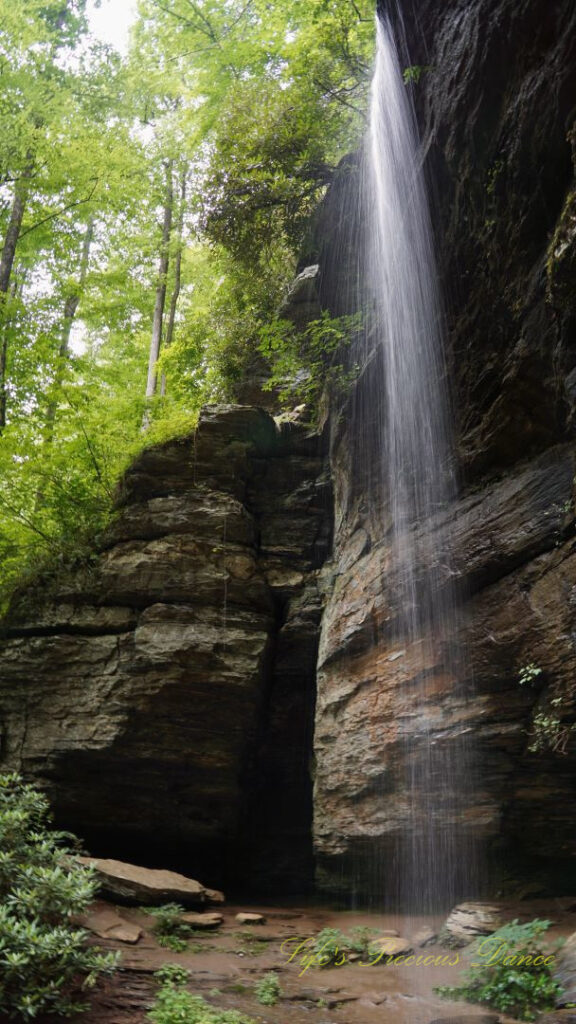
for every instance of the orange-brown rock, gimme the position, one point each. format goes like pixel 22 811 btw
pixel 131 883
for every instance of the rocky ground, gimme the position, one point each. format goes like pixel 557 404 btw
pixel 226 963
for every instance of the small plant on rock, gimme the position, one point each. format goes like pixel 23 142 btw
pixel 549 732
pixel 268 989
pixel 305 362
pixel 174 1004
pixel 528 673
pixel 414 72
pixel 510 972
pixel 172 974
pixel 333 948
pixel 45 967
pixel 170 931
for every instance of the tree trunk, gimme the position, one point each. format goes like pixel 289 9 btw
pixel 156 340
pixel 6 267
pixel 177 274
pixel 70 309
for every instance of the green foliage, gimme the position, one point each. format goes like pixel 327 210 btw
pixel 549 733
pixel 251 106
pixel 174 1004
pixel 268 990
pixel 45 967
pixel 494 175
pixel 170 931
pixel 528 673
pixel 333 947
pixel 510 972
pixel 172 974
pixel 413 73
pixel 306 362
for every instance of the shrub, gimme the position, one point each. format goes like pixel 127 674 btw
pixel 174 1004
pixel 549 733
pixel 268 989
pixel 173 974
pixel 304 362
pixel 414 72
pixel 169 930
pixel 333 947
pixel 44 963
pixel 509 972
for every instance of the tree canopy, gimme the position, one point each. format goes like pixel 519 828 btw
pixel 152 210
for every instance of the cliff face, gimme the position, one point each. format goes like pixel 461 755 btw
pixel 164 694
pixel 495 104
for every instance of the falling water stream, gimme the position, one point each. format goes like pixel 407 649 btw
pixel 418 484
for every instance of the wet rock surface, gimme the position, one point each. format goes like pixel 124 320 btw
pixel 225 967
pixel 470 920
pixel 163 694
pixel 495 106
pixel 565 971
pixel 496 112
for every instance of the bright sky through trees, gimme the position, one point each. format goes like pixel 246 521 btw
pixel 111 21
pixel 157 192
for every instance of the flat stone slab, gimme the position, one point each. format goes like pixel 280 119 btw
pixel 250 918
pixel 106 923
pixel 150 887
pixel 203 921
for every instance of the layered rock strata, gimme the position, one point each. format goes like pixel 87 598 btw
pixel 157 690
pixel 495 104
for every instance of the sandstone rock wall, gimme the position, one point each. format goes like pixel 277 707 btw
pixel 164 694
pixel 496 108
pixel 148 690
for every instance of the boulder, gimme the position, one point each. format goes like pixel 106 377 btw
pixel 250 918
pixel 469 920
pixel 150 887
pixel 565 971
pixel 425 936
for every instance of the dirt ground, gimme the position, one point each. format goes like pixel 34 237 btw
pixel 226 964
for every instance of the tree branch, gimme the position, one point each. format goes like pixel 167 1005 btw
pixel 206 21
pixel 58 213
pixel 339 99
pixel 22 518
pixel 172 14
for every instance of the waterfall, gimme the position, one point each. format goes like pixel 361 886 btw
pixel 406 321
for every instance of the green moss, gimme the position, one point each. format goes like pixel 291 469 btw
pixel 561 259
